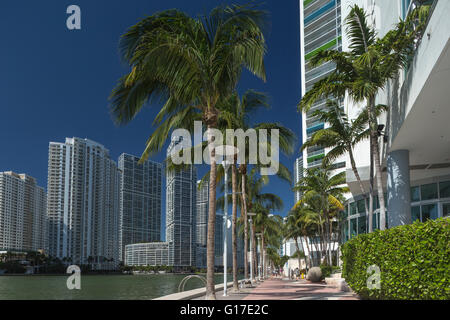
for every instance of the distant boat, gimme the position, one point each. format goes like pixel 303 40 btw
pixel 162 271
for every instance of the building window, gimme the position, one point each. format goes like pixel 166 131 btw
pixel 415 194
pixel 415 213
pixel 353 227
pixel 429 191
pixel 376 203
pixel 375 221
pixel 362 224
pixel 361 207
pixel 446 210
pixel 353 208
pixel 444 189
pixel 429 211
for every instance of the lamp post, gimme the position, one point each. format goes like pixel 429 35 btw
pixel 226 166
pixel 226 151
pixel 258 235
pixel 251 214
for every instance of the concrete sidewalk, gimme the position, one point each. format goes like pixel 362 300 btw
pixel 285 289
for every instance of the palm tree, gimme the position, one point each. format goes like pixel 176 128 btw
pixel 271 228
pixel 301 223
pixel 235 113
pixel 257 199
pixel 342 136
pixel 322 191
pixel 191 64
pixel 363 72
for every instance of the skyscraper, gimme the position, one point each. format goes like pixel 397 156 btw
pixel 22 213
pixel 140 201
pixel 298 174
pixel 83 203
pixel 202 212
pixel 181 211
pixel 320 29
pixel 202 223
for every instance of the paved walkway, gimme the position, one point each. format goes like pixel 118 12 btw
pixel 285 289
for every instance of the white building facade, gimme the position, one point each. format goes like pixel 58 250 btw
pixel 23 216
pixel 83 203
pixel 415 142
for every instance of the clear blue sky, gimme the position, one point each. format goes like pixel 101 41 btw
pixel 55 83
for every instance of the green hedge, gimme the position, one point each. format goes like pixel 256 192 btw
pixel 414 261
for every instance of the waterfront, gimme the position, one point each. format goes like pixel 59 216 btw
pixel 95 287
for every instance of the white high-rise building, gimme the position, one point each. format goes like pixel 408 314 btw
pixel 202 213
pixel 23 222
pixel 83 203
pixel 181 192
pixel 140 201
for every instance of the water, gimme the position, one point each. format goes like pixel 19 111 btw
pixel 96 287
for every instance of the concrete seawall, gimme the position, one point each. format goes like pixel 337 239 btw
pixel 191 294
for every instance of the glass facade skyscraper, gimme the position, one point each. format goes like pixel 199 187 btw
pixel 140 201
pixel 320 29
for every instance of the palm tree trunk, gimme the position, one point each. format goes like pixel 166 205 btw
pixel 307 257
pixel 376 158
pixel 371 187
pixel 210 287
pixel 233 225
pixel 361 187
pixel 376 154
pixel 330 251
pixel 244 202
pixel 262 251
pixel 255 259
pixel 298 255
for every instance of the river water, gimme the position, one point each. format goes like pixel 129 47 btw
pixel 96 287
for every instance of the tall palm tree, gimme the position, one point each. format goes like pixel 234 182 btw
pixel 191 64
pixel 342 136
pixel 258 199
pixel 235 113
pixel 271 228
pixel 363 72
pixel 325 190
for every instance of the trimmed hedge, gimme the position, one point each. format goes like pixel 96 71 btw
pixel 414 261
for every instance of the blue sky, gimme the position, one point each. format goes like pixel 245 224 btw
pixel 55 83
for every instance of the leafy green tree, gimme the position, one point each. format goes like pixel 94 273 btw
pixel 341 137
pixel 322 191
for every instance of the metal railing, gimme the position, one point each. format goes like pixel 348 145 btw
pixel 187 278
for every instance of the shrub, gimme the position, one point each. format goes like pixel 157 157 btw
pixel 414 261
pixel 326 270
pixel 12 267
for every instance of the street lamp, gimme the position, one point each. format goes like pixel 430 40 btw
pixel 226 151
pixel 258 235
pixel 226 166
pixel 251 214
